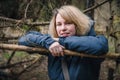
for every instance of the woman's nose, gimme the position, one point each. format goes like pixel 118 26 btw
pixel 63 27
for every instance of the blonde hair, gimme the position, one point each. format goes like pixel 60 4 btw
pixel 71 14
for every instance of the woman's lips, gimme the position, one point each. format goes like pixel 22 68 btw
pixel 65 34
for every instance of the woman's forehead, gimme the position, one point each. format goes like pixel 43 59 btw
pixel 63 17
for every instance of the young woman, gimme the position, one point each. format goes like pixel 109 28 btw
pixel 70 29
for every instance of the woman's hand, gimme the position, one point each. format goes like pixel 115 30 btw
pixel 56 49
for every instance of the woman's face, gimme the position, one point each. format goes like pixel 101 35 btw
pixel 64 28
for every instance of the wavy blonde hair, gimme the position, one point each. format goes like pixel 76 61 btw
pixel 71 14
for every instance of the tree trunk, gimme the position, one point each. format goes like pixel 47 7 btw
pixel 116 33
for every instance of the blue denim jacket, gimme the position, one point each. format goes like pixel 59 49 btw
pixel 80 68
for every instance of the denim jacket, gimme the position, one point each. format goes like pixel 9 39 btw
pixel 80 68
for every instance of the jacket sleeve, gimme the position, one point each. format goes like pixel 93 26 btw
pixel 95 45
pixel 34 38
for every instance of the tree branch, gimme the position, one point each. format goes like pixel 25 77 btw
pixel 26 9
pixel 95 6
pixel 44 51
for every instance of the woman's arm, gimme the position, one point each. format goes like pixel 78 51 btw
pixel 87 44
pixel 34 38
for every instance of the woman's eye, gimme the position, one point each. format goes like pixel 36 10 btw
pixel 68 23
pixel 58 24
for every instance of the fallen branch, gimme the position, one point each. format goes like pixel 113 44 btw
pixel 45 51
pixel 38 23
pixel 14 64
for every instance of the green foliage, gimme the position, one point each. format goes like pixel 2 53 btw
pixel 20 54
pixel 6 55
pixel 25 27
pixel 17 54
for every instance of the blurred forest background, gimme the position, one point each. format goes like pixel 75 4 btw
pixel 19 16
